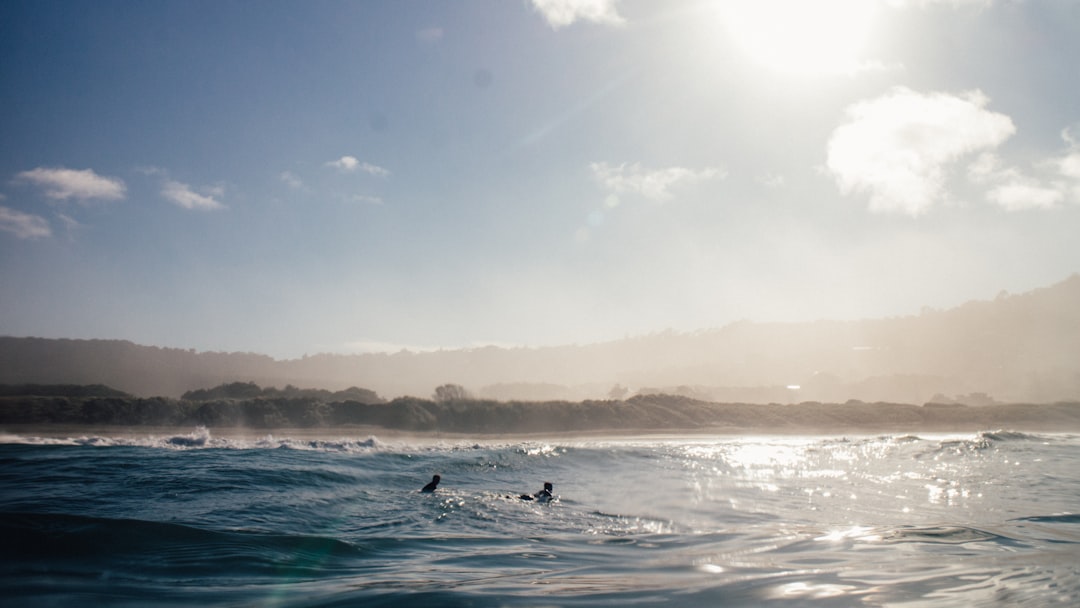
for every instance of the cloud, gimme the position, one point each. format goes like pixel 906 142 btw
pixel 375 170
pixel 70 223
pixel 183 196
pixel 1025 193
pixel 291 180
pixel 348 164
pixel 24 225
pixel 1011 188
pixel 345 163
pixel 1068 165
pixel 653 184
pixel 899 147
pixel 560 13
pixel 82 185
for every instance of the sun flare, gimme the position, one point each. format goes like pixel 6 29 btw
pixel 800 37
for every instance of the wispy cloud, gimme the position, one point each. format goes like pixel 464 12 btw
pixel 375 170
pixel 1051 182
pixel 1011 188
pixel 80 184
pixel 898 147
pixel 1068 165
pixel 560 13
pixel 653 184
pixel 24 225
pixel 182 195
pixel 70 223
pixel 291 180
pixel 349 164
pixel 1025 193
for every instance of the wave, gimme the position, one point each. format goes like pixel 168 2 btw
pixel 200 438
pixel 101 544
pixel 986 440
pixel 952 535
pixel 1062 518
pixel 1000 436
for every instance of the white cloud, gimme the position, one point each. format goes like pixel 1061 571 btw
pixel 24 225
pixel 375 170
pixel 653 184
pixel 348 164
pixel 899 147
pixel 345 163
pixel 182 195
pixel 560 13
pixel 1024 193
pixel 1011 188
pixel 83 185
pixel 291 180
pixel 1068 165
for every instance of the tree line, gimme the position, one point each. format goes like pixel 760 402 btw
pixel 453 411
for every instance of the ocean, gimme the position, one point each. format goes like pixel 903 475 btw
pixel 192 518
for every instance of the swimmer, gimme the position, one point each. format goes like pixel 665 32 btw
pixel 435 479
pixel 541 496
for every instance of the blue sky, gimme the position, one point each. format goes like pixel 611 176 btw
pixel 304 177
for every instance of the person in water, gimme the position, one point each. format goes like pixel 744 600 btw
pixel 430 487
pixel 541 496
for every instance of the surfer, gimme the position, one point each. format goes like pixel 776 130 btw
pixel 541 496
pixel 430 487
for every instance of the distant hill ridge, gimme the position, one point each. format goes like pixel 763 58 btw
pixel 1015 348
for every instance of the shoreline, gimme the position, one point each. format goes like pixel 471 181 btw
pixel 72 431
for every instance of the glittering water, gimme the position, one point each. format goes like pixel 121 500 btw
pixel 195 519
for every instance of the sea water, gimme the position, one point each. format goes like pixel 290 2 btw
pixel 193 519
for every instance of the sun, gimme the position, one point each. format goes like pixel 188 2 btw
pixel 802 37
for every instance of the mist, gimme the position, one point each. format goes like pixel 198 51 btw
pixel 1014 348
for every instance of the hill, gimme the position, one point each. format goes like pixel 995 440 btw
pixel 1015 348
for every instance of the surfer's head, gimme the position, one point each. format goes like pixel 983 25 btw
pixel 436 478
pixel 548 486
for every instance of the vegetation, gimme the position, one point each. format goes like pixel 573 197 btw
pixel 250 390
pixel 1015 348
pixel 247 405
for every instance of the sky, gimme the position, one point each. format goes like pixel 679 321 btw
pixel 293 178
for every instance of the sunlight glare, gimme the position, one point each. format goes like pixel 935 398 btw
pixel 802 38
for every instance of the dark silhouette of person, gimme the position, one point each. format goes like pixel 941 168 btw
pixel 541 496
pixel 430 487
